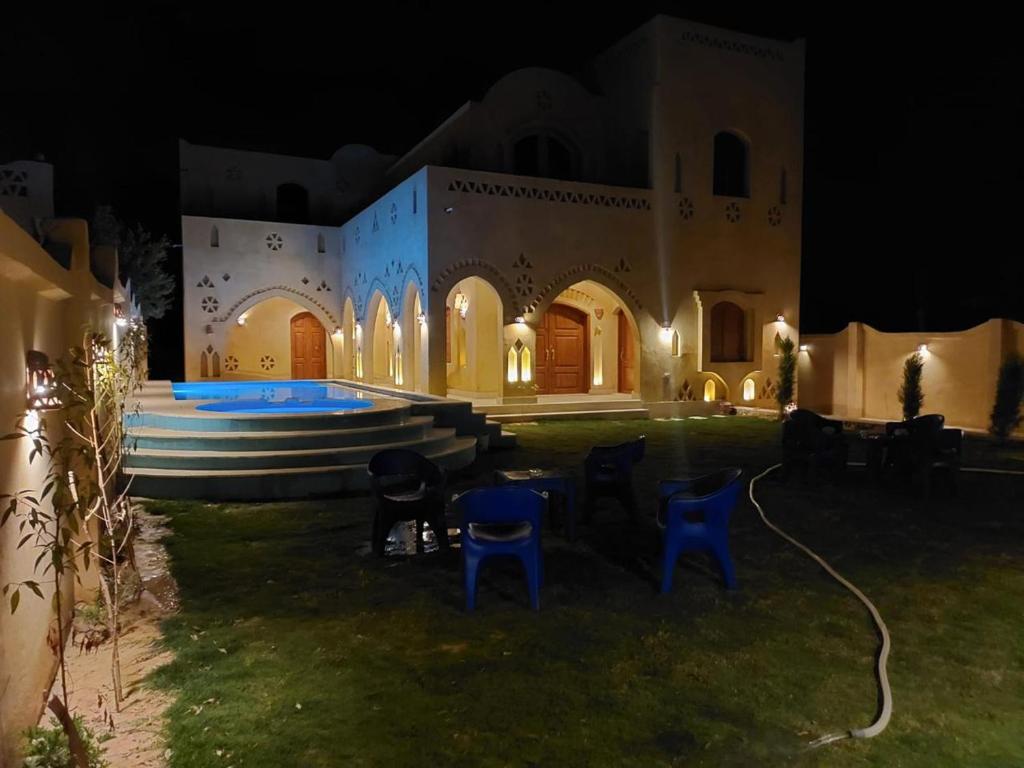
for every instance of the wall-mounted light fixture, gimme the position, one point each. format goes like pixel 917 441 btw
pixel 242 318
pixel 337 333
pixel 461 304
pixel 520 320
pixel 449 209
pixel 805 347
pixel 922 349
pixel 666 332
pixel 780 318
pixel 397 328
pixel 120 315
pixel 40 382
pixel 421 319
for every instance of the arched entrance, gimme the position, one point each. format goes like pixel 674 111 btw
pixel 379 347
pixel 412 344
pixel 277 338
pixel 309 348
pixel 587 341
pixel 474 319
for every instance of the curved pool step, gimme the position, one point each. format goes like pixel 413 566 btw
pixel 206 421
pixel 159 438
pixel 294 482
pixel 433 441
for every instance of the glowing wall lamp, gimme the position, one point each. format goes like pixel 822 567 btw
pixel 421 319
pixel 241 319
pixel 520 320
pixel 805 347
pixel 337 332
pixel 40 382
pixel 120 316
pixel 666 332
pixel 780 318
pixel 461 303
pixel 922 349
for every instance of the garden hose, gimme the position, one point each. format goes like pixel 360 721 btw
pixel 882 720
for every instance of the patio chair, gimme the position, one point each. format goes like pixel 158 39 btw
pixel 501 520
pixel 694 513
pixel 608 471
pixel 812 442
pixel 920 446
pixel 407 486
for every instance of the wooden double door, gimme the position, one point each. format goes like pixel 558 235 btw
pixel 562 365
pixel 309 347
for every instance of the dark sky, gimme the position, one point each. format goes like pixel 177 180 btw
pixel 913 164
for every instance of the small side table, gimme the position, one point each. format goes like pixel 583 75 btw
pixel 553 481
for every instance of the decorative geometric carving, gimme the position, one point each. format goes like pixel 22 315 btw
pixel 394 213
pixel 230 363
pixel 524 285
pixel 599 312
pixel 210 304
pixel 267 362
pixel 376 226
pixel 709 41
pixel 225 277
pixel 549 195
pixel 13 183
pixel 283 289
pixel 305 280
pixel 686 208
pixel 209 347
pixel 623 266
pixel 357 233
pixel 775 215
pixel 206 282
pixel 733 212
pixel 580 272
pixel 323 286
pixel 233 173
pixel 522 263
pixel 768 390
pixel 686 392
pixel 274 241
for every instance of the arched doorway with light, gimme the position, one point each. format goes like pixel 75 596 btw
pixel 378 347
pixel 473 353
pixel 413 341
pixel 277 338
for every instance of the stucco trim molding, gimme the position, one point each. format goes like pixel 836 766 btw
pixel 304 300
pixel 464 268
pixel 601 275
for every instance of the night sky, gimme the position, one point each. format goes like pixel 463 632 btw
pixel 913 164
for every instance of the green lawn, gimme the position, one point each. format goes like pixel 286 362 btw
pixel 304 650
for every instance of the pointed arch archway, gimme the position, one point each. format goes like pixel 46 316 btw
pixel 413 341
pixel 472 338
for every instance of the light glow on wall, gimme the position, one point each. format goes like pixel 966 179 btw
pixel 525 368
pixel 922 349
pixel 421 318
pixel 805 347
pixel 461 304
pixel 666 333
pixel 512 366
pixel 241 319
pixel 748 389
pixel 709 390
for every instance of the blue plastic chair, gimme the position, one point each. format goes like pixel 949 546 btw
pixel 695 515
pixel 502 520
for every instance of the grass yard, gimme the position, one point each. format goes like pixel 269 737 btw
pixel 295 647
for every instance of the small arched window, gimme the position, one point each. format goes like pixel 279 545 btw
pixel 293 204
pixel 728 333
pixel 732 165
pixel 709 390
pixel 748 389
pixel 544 155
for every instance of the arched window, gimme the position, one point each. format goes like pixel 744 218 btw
pixel 748 389
pixel 728 333
pixel 293 204
pixel 732 165
pixel 709 390
pixel 544 155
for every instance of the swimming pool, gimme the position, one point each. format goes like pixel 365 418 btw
pixel 272 396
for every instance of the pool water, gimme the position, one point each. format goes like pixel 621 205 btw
pixel 272 396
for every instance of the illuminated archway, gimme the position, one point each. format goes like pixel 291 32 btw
pixel 378 343
pixel 351 366
pixel 474 353
pixel 413 342
pixel 259 343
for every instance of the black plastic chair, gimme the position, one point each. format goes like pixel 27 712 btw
pixel 920 446
pixel 408 486
pixel 608 471
pixel 812 442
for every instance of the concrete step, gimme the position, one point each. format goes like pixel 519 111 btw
pixel 434 440
pixel 157 438
pixel 292 483
pixel 558 406
pixel 607 414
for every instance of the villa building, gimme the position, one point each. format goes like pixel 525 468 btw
pixel 634 230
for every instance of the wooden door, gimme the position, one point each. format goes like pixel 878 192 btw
pixel 309 348
pixel 562 364
pixel 627 355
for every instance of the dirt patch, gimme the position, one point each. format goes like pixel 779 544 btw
pixel 134 736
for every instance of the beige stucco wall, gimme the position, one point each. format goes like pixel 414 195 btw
pixel 46 308
pixel 857 372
